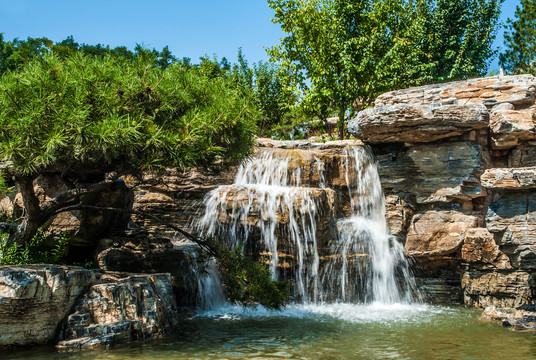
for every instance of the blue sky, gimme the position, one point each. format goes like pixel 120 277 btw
pixel 191 28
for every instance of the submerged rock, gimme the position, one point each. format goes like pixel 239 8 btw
pixel 520 318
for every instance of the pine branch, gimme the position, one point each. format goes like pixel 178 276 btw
pixel 205 245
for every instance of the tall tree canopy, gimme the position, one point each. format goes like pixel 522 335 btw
pixel 458 40
pixel 344 53
pixel 520 40
pixel 92 119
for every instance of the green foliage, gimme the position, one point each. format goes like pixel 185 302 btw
pixel 520 40
pixel 41 249
pixel 3 186
pixel 342 54
pixel 249 282
pixel 110 112
pixel 339 51
pixel 458 38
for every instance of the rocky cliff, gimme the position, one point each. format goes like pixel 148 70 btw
pixel 460 158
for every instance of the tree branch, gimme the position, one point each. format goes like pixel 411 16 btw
pixel 205 245
pixel 51 206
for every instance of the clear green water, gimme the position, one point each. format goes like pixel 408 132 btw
pixel 342 331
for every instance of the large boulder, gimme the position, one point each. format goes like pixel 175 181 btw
pixel 480 248
pixel 417 123
pixel 511 217
pixel 510 128
pixel 119 308
pixel 503 289
pixel 434 234
pixel 34 299
pixel 145 254
pixel 509 178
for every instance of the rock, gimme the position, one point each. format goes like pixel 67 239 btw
pixel 433 172
pixel 335 146
pixel 120 308
pixel 298 205
pixel 522 156
pixel 512 218
pixel 174 196
pixel 398 213
pixel 480 247
pixel 146 254
pixel 517 319
pixel 94 224
pixel 417 123
pixel 442 290
pixel 517 90
pixel 438 233
pixel 510 127
pixel 9 208
pixel 503 106
pixel 34 299
pixel 519 178
pixel 504 289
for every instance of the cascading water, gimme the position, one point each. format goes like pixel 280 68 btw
pixel 274 213
pixel 366 232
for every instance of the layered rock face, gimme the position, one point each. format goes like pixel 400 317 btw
pixel 35 299
pixel 80 308
pixel 119 308
pixel 461 156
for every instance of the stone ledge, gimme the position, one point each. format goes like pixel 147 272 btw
pixel 518 90
pixel 509 128
pixel 415 123
pixel 507 178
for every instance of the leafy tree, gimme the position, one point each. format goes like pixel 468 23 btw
pixel 344 53
pixel 520 40
pixel 345 50
pixel 458 39
pixel 92 119
pixel 18 52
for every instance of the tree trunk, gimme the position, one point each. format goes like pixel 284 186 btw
pixel 32 212
pixel 36 215
pixel 342 126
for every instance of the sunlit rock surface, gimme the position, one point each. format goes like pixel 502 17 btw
pixel 516 90
pixel 34 299
pixel 438 233
pixel 510 128
pixel 417 123
pixel 509 178
pixel 436 172
pixel 119 308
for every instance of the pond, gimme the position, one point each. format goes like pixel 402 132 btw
pixel 336 331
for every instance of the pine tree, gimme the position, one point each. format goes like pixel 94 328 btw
pixel 520 40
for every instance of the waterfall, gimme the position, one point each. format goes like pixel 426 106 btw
pixel 286 208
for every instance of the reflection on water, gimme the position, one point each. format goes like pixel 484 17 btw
pixel 336 331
